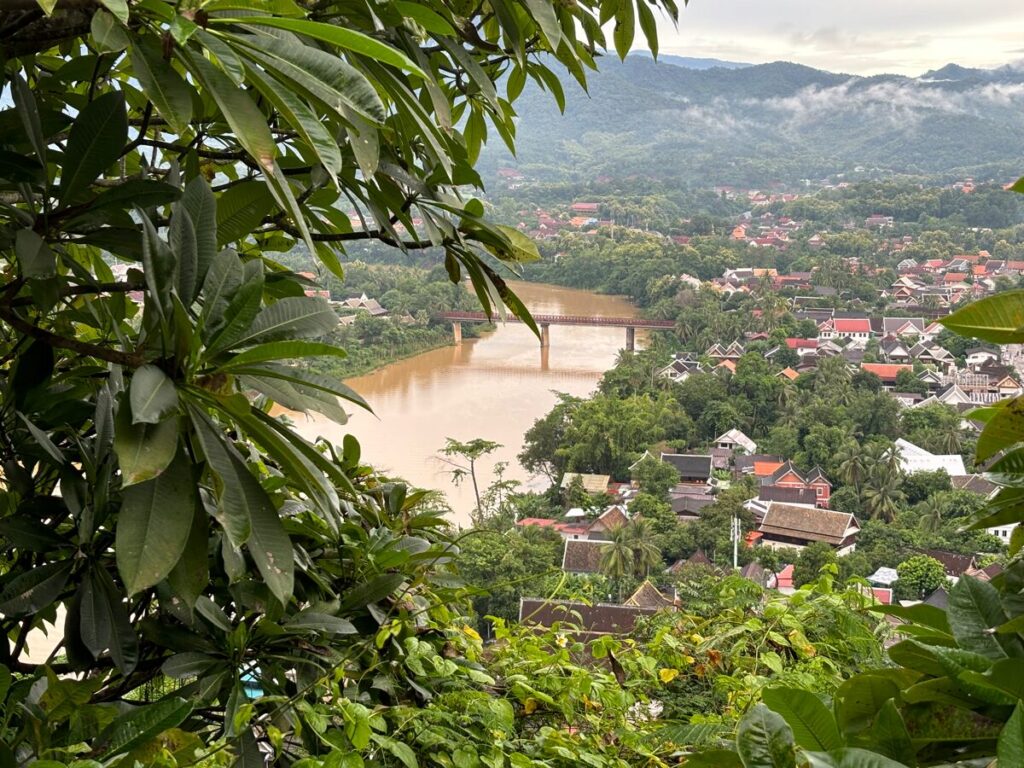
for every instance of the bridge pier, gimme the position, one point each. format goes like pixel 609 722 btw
pixel 457 331
pixel 630 339
pixel 545 335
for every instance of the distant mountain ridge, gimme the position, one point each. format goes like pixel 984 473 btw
pixel 735 124
pixel 691 62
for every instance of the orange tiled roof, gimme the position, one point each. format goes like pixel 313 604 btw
pixel 885 370
pixel 766 468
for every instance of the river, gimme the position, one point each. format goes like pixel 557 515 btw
pixel 493 387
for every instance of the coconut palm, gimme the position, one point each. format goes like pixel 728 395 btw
pixel 882 494
pixel 617 556
pixel 950 438
pixel 852 467
pixel 932 512
pixel 646 554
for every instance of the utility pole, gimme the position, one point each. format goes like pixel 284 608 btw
pixel 735 541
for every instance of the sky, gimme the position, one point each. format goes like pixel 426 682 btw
pixel 854 36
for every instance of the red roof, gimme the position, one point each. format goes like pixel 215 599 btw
pixel 955 277
pixel 789 373
pixel 1012 264
pixel 784 578
pixel 540 522
pixel 765 468
pixel 851 325
pixel 802 343
pixel 885 371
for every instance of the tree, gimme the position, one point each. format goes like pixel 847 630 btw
pixel 462 458
pixel 180 148
pixel 655 477
pixel 919 576
pixel 810 561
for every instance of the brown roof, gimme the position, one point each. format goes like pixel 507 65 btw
pixel 582 556
pixel 806 523
pixel 648 596
pixel 956 565
pixel 788 495
pixel 591 483
pixel 974 483
pixel 602 618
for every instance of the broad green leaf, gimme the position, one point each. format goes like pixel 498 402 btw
pixel 427 18
pixel 764 740
pixel 851 757
pixel 349 39
pixel 156 517
pixel 860 698
pixel 140 192
pixel 377 588
pixel 98 135
pixel 1004 429
pixel 191 574
pixel 236 489
pixel 649 26
pixel 153 395
pixel 117 7
pixel 521 249
pixel 140 724
pixel 625 28
pixel 188 664
pixel 107 32
pixel 1010 749
pixel 239 313
pixel 999 318
pixel 237 107
pixel 170 94
pixel 889 735
pixel 240 210
pixel 34 589
pixel 291 318
pixel 813 725
pixel 321 622
pixel 221 284
pixel 104 624
pixel 543 12
pixel 143 450
pixel 34 256
pixel 281 351
pixel 306 381
pixel 26 108
pixel 974 610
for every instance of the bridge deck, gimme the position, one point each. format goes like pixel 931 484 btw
pixel 614 322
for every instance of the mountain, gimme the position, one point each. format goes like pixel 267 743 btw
pixel 690 62
pixel 770 122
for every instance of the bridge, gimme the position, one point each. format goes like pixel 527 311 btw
pixel 544 322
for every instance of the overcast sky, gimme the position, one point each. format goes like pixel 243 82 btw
pixel 856 36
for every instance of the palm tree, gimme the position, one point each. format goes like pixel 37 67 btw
pixel 852 467
pixel 951 438
pixel 882 494
pixel 646 554
pixel 932 511
pixel 617 557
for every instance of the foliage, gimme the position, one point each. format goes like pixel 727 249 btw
pixel 155 157
pixel 919 576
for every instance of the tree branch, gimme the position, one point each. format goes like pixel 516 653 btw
pixel 127 359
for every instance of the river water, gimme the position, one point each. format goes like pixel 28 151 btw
pixel 493 388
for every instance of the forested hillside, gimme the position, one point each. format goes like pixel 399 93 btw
pixel 772 122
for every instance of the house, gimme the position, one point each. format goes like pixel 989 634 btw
pixel 734 440
pixel 608 521
pixel 649 596
pixel 887 372
pixel 783 581
pixel 976 357
pixel 681 368
pixel 759 465
pixel 914 459
pixel 589 209
pixel 691 468
pixel 687 500
pixel 955 564
pixel 883 577
pixel 975 484
pixel 592 484
pixel 878 221
pixel 583 556
pixel 586 622
pixel 893 350
pixel 788 373
pixel 858 329
pixel 363 304
pixel 908 327
pixel 791 525
pixel 788 476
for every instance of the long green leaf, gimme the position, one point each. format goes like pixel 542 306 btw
pixel 141 724
pixel 98 136
pixel 143 450
pixel 35 589
pixel 275 351
pixel 156 517
pixel 290 318
pixel 240 209
pixel 348 39
pixel 764 740
pixel 170 94
pixel 104 624
pixel 199 201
